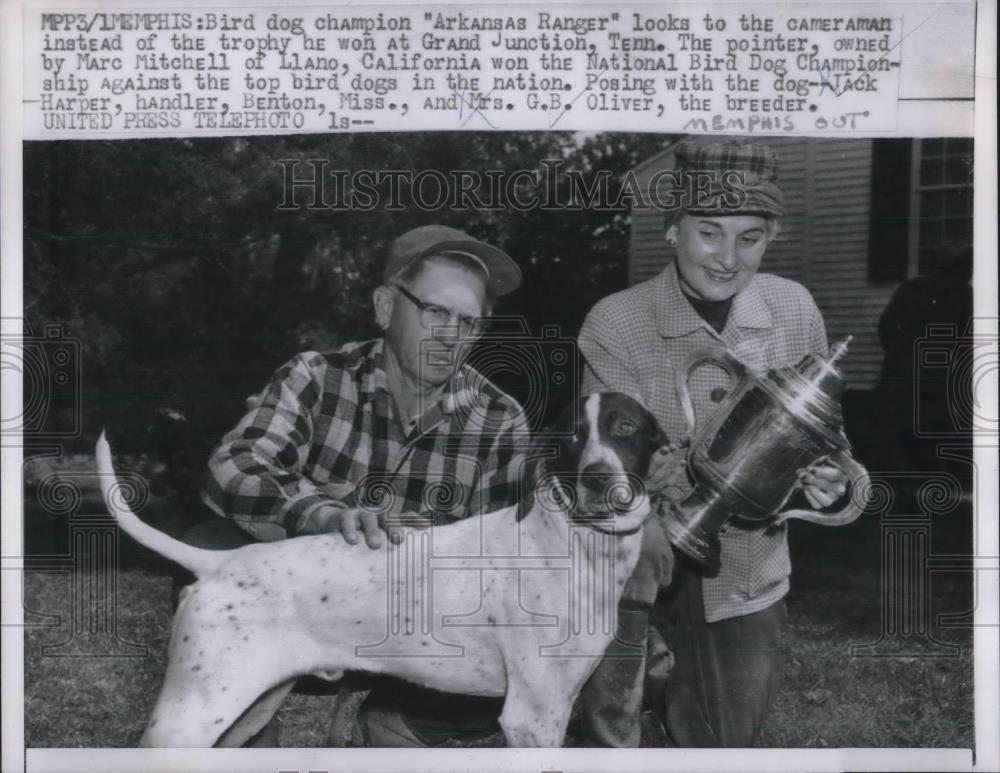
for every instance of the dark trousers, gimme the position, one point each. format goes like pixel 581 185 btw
pixel 397 714
pixel 725 674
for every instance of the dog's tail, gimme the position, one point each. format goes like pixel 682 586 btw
pixel 197 560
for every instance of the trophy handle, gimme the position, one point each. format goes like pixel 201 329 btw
pixel 859 482
pixel 717 356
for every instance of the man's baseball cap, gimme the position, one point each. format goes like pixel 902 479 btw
pixel 730 178
pixel 503 273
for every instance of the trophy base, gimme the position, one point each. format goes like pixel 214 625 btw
pixel 693 528
pixel 698 545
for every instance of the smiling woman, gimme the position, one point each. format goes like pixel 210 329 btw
pixel 718 256
pixel 725 625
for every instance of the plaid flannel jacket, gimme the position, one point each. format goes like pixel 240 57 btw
pixel 326 435
pixel 635 340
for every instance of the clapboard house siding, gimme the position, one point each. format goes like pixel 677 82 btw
pixel 823 241
pixel 838 277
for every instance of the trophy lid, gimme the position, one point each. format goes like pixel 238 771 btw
pixel 813 388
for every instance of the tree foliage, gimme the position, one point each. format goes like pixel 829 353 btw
pixel 186 285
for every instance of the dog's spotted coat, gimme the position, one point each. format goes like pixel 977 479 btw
pixel 520 602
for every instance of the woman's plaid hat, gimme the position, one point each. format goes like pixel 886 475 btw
pixel 729 178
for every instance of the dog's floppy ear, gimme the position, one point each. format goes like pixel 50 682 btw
pixel 545 448
pixel 544 458
pixel 657 436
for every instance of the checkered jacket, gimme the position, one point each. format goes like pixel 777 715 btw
pixel 326 435
pixel 635 340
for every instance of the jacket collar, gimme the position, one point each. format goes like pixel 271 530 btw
pixel 675 317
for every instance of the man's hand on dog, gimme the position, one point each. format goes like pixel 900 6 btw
pixel 355 522
pixel 823 484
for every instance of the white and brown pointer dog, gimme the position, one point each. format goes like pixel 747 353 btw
pixel 520 603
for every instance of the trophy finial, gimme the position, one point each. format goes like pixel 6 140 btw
pixel 839 349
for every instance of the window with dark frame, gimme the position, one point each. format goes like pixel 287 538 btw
pixel 888 231
pixel 945 192
pixel 921 205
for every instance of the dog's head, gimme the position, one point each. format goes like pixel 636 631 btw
pixel 605 443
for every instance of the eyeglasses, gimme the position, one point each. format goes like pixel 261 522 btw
pixel 432 315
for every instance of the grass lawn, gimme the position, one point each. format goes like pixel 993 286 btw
pixel 908 698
